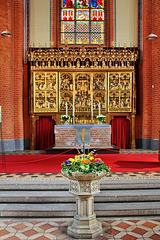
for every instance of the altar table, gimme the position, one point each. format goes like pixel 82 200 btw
pixel 74 135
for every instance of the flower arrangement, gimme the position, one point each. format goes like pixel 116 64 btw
pixel 85 163
pixel 101 118
pixel 64 118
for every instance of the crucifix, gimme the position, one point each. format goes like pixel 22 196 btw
pixel 83 133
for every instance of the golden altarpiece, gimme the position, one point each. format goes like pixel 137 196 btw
pixel 83 77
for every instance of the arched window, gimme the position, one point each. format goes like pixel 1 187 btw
pixel 82 21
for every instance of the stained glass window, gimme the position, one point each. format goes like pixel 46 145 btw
pixel 82 21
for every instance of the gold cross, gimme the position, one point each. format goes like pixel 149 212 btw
pixel 83 133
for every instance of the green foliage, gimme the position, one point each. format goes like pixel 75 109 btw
pixel 101 118
pixel 64 118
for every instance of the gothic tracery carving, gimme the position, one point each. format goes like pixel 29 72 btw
pixel 84 57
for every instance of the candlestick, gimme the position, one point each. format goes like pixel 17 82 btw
pixel 73 109
pixel 92 113
pixel 99 108
pixel 66 109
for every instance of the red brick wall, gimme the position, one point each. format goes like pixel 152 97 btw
pixel 6 73
pixel 11 69
pixel 148 118
pixel 18 68
pixel 156 71
pixel 109 25
pixel 147 72
pixel 66 136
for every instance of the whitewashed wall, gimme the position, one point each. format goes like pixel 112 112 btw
pixel 126 13
pixel 40 22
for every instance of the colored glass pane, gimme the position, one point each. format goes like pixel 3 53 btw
pixel 97 38
pixel 82 38
pixel 82 21
pixel 67 27
pixel 82 14
pixel 97 14
pixel 70 37
pixel 82 27
pixel 67 3
pixel 68 14
pixel 82 3
pixel 97 3
pixel 97 27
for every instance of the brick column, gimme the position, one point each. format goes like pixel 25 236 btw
pixel 18 72
pixel 7 77
pixel 149 84
pixel 155 76
pixel 11 74
pixel 147 77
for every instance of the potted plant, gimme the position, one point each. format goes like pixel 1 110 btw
pixel 100 118
pixel 84 172
pixel 64 118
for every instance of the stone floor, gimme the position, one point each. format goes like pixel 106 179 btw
pixel 50 229
pixel 148 229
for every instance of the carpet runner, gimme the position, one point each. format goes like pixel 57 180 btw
pixel 52 163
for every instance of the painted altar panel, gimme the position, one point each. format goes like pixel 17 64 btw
pixel 66 90
pixel 120 92
pixel 82 89
pixel 82 95
pixel 45 92
pixel 99 91
pixel 86 91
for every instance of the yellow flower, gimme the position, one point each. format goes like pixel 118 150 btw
pixel 76 158
pixel 71 159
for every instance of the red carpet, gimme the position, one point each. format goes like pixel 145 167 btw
pixel 52 163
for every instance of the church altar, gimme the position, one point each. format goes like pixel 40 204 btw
pixel 74 135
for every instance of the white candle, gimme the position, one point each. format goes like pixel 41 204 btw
pixel 99 109
pixel 91 109
pixel 66 109
pixel 73 109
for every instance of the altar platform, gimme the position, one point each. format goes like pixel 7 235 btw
pixel 70 150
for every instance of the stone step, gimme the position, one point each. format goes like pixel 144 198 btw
pixel 50 198
pixel 68 210
pixel 108 184
pixel 65 196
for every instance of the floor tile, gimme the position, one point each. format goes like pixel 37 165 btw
pixel 141 229
pixel 155 237
pixel 149 225
pixel 129 237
